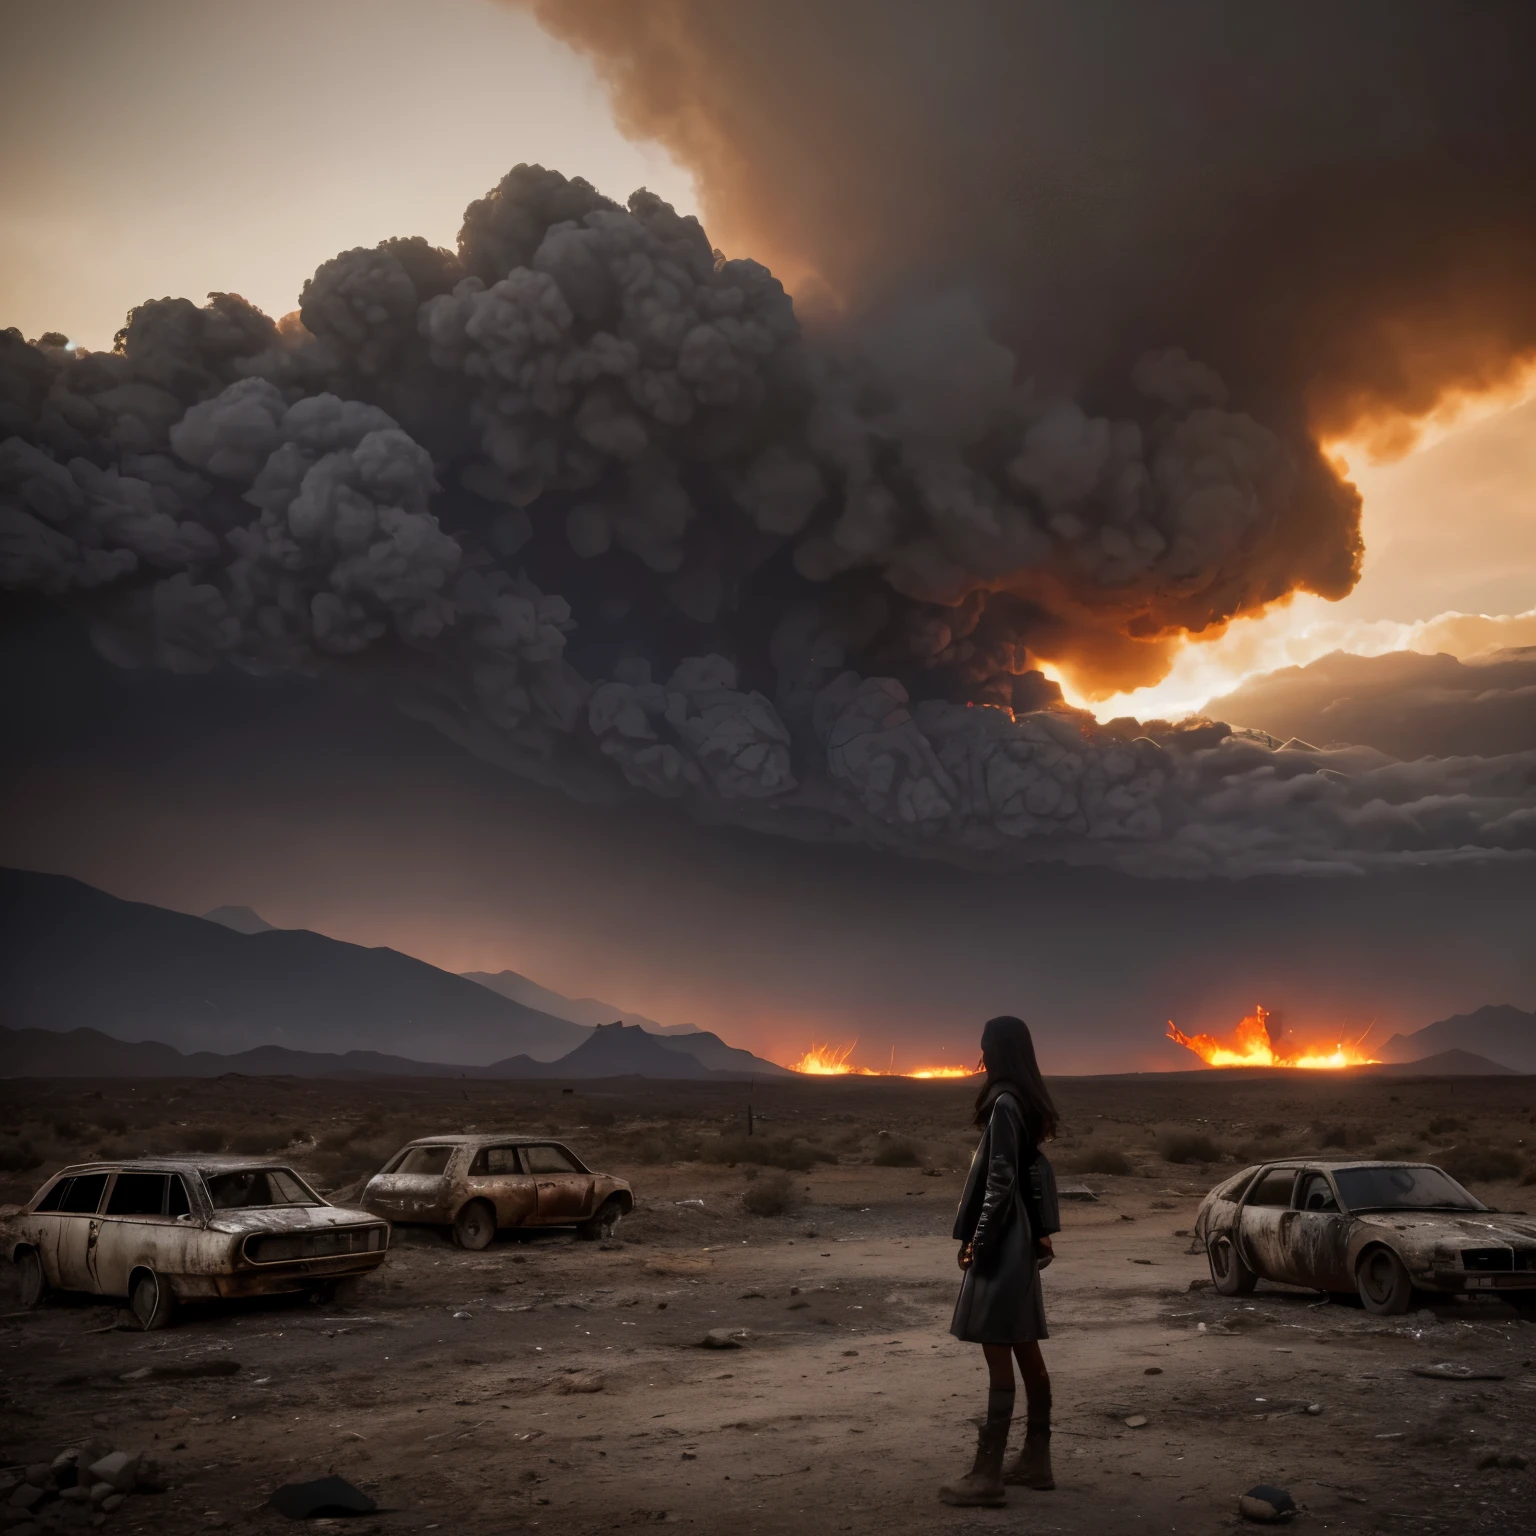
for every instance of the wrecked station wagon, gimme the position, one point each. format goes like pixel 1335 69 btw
pixel 159 1231
pixel 478 1185
pixel 1382 1230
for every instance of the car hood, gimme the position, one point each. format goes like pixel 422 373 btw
pixel 1469 1229
pixel 281 1218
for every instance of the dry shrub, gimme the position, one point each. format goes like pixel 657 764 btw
pixel 1189 1147
pixel 18 1156
pixel 113 1125
pixel 1109 1162
pixel 1399 1151
pixel 765 1152
pixel 601 1118
pixel 253 1143
pixel 1268 1131
pixel 202 1138
pixel 1443 1125
pixel 1344 1137
pixel 1482 1165
pixel 650 1150
pixel 774 1194
pixel 897 1152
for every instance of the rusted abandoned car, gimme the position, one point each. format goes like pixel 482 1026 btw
pixel 479 1184
pixel 1383 1230
pixel 163 1230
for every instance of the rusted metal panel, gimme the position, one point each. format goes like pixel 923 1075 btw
pixel 202 1250
pixel 530 1181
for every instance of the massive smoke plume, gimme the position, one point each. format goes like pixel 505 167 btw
pixel 586 494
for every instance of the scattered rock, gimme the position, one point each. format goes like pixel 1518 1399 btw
pixel 1141 1261
pixel 192 1370
pixel 1314 1409
pixel 580 1381
pixel 100 1491
pixel 1447 1370
pixel 1267 1505
pixel 690 1456
pixel 1199 1285
pixel 1511 1459
pixel 795 1306
pixel 463 1315
pixel 111 1502
pixel 39 1474
pixel 26 1528
pixel 721 1338
pixel 1136 1421
pixel 751 1296
pixel 27 1497
pixel 1153 1370
pixel 323 1496
pixel 120 1470
pixel 850 1351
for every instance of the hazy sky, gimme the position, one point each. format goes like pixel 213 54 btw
pixel 173 147
pixel 154 147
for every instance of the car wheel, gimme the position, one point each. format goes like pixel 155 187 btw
pixel 151 1300
pixel 605 1223
pixel 474 1226
pixel 1382 1280
pixel 1229 1274
pixel 32 1283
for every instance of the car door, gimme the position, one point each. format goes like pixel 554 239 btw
pixel 563 1191
pixel 497 1174
pixel 145 1221
pixel 1266 1203
pixel 1314 1235
pixel 79 1228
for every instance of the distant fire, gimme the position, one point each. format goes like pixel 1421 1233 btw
pixel 1258 1042
pixel 832 1061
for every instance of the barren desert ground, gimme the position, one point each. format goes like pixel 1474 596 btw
pixel 561 1386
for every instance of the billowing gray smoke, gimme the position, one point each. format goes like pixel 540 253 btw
pixel 585 496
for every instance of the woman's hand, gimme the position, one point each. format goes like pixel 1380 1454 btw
pixel 963 1258
pixel 1044 1253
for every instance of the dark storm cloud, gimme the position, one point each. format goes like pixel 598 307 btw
pixel 586 496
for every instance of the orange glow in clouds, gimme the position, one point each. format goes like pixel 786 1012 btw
pixel 832 1061
pixel 1257 1042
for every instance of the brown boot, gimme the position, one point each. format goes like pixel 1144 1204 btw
pixel 982 1486
pixel 1032 1466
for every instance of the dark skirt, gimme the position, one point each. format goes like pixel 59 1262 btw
pixel 1000 1301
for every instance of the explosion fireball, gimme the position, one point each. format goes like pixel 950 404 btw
pixel 1257 1042
pixel 832 1061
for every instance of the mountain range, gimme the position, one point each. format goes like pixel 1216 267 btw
pixel 73 957
pixel 1501 1033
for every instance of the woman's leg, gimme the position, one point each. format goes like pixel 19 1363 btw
pixel 983 1484
pixel 1033 1466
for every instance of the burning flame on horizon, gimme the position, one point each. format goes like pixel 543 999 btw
pixel 832 1061
pixel 1256 1042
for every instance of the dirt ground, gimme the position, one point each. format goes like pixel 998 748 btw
pixel 554 1385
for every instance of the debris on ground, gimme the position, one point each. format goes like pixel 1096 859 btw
pixel 324 1497
pixel 1267 1505
pixel 723 1338
pixel 1448 1370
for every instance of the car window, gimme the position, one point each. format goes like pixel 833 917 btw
pixel 176 1202
pixel 50 1201
pixel 1402 1189
pixel 1314 1193
pixel 1274 1188
pixel 493 1160
pixel 254 1188
pixel 82 1196
pixel 427 1160
pixel 1234 1187
pixel 138 1194
pixel 547 1159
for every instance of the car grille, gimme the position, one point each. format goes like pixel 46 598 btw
pixel 1505 1259
pixel 286 1247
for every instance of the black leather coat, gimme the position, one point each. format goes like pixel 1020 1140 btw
pixel 1008 1204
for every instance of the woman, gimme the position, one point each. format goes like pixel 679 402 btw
pixel 1004 1226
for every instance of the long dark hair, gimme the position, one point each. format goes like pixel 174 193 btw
pixel 1008 1054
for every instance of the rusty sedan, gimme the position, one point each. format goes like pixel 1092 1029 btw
pixel 1381 1230
pixel 477 1185
pixel 163 1230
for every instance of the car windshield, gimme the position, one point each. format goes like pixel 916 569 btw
pixel 253 1187
pixel 1402 1189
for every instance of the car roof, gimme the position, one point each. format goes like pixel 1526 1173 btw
pixel 1336 1163
pixel 206 1163
pixel 479 1140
